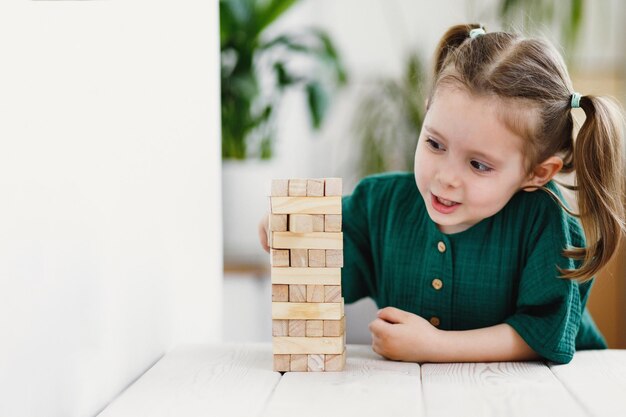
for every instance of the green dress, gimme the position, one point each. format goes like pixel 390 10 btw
pixel 501 270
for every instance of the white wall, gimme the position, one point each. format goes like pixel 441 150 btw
pixel 110 222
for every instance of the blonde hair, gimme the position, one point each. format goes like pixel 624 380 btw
pixel 531 75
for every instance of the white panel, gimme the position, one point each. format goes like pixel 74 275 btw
pixel 110 221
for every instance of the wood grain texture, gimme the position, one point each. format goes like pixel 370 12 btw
pixel 335 327
pixel 318 222
pixel 332 223
pixel 299 258
pixel 202 381
pixel 332 294
pixel 334 258
pixel 278 222
pixel 333 186
pixel 297 187
pixel 297 294
pixel 237 380
pixel 335 363
pixel 305 205
pixel 307 311
pixel 315 294
pixel 315 363
pixel 597 379
pixel 308 345
pixel 369 386
pixel 280 293
pixel 315 188
pixel 317 258
pixel 300 223
pixel 299 363
pixel 279 258
pixel 280 188
pixel 297 328
pixel 315 328
pixel 495 389
pixel 315 240
pixel 319 276
pixel 281 328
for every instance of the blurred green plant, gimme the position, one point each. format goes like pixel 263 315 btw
pixel 256 72
pixel 389 119
pixel 566 16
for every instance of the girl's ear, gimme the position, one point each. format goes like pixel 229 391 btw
pixel 543 173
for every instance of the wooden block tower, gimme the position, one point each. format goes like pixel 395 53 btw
pixel 308 323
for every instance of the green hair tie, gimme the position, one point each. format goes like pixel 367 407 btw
pixel 575 103
pixel 474 33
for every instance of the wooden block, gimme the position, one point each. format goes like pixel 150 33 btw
pixel 332 223
pixel 318 222
pixel 319 276
pixel 314 328
pixel 280 188
pixel 297 328
pixel 278 222
pixel 315 294
pixel 299 258
pixel 280 327
pixel 317 258
pixel 332 187
pixel 281 362
pixel 308 345
pixel 335 327
pixel 314 240
pixel 280 292
pixel 315 363
pixel 305 205
pixel 301 223
pixel 334 257
pixel 299 363
pixel 307 311
pixel 333 363
pixel 315 188
pixel 279 258
pixel 297 187
pixel 297 293
pixel 332 293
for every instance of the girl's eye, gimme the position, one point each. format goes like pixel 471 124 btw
pixel 479 166
pixel 434 144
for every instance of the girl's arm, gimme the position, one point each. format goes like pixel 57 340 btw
pixel 400 335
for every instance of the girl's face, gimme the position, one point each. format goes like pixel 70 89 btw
pixel 468 164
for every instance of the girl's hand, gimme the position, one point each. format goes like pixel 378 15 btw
pixel 263 226
pixel 403 336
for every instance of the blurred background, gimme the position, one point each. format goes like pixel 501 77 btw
pixel 323 88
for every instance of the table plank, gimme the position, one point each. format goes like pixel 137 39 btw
pixel 597 379
pixel 495 389
pixel 369 386
pixel 224 380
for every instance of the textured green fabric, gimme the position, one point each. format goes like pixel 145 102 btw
pixel 501 270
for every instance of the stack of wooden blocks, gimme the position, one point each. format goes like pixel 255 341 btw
pixel 308 323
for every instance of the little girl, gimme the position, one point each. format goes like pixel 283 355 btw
pixel 482 261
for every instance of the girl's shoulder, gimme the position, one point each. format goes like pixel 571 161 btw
pixel 387 194
pixel 543 210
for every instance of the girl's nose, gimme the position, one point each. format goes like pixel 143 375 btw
pixel 449 176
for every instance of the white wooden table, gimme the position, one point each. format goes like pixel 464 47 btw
pixel 237 380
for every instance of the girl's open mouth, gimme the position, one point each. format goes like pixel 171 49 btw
pixel 444 206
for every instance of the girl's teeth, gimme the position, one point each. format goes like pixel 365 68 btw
pixel 446 202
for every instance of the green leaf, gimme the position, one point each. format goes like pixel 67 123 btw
pixel 271 11
pixel 318 103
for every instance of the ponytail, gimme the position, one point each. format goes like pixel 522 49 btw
pixel 598 158
pixel 450 41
